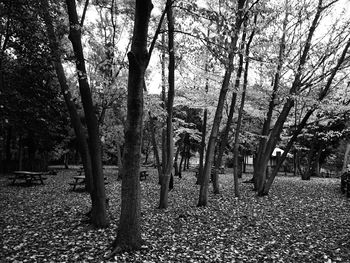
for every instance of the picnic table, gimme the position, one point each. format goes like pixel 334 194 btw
pixel 28 176
pixel 80 180
pixel 221 170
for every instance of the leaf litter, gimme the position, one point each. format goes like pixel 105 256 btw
pixel 300 221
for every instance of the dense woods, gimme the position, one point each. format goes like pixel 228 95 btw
pixel 200 86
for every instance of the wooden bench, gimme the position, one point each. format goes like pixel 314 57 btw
pixel 80 180
pixel 28 177
pixel 220 171
pixel 143 175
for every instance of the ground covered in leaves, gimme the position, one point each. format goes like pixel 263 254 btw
pixel 301 221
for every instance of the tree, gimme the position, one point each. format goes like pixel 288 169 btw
pixel 129 229
pixel 31 112
pixel 240 111
pixel 169 160
pixel 99 211
pixel 310 71
pixel 73 112
pixel 203 195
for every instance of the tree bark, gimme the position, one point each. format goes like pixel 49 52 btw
pixel 20 154
pixel 155 147
pixel 163 201
pixel 176 163
pixel 202 148
pixel 129 229
pixel 260 174
pixel 120 162
pixel 237 165
pixel 289 145
pixel 346 157
pixel 99 212
pixel 8 149
pixel 73 113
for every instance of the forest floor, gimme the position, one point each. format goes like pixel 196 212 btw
pixel 300 221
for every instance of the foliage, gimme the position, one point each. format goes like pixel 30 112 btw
pixel 30 97
pixel 326 133
pixel 301 222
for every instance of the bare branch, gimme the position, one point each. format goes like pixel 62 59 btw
pixel 84 13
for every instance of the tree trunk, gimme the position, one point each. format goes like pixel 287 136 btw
pixel 270 142
pixel 302 124
pixel 202 148
pixel 310 160
pixel 120 162
pixel 224 138
pixel 155 147
pixel 65 160
pixel 74 116
pixel 203 194
pixel 20 154
pixel 188 155
pixel 163 201
pixel 129 229
pixel 164 157
pixel 146 151
pixel 176 165
pixel 237 165
pixel 8 149
pixel 286 150
pixel 260 174
pixel 346 158
pixel 209 158
pixel 181 163
pixel 99 212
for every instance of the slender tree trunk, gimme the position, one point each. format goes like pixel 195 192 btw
pixel 146 151
pixel 20 155
pixel 119 162
pixel 203 195
pixel 237 165
pixel 163 202
pixel 286 150
pixel 260 170
pixel 209 158
pixel 155 147
pixel 224 136
pixel 176 165
pixel 65 160
pixel 8 149
pixel 188 155
pixel 310 160
pixel 164 157
pixel 317 162
pixel 346 157
pixel 181 162
pixel 32 148
pixel 99 211
pixel 202 148
pixel 74 116
pixel 204 130
pixel 129 229
pixel 224 139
